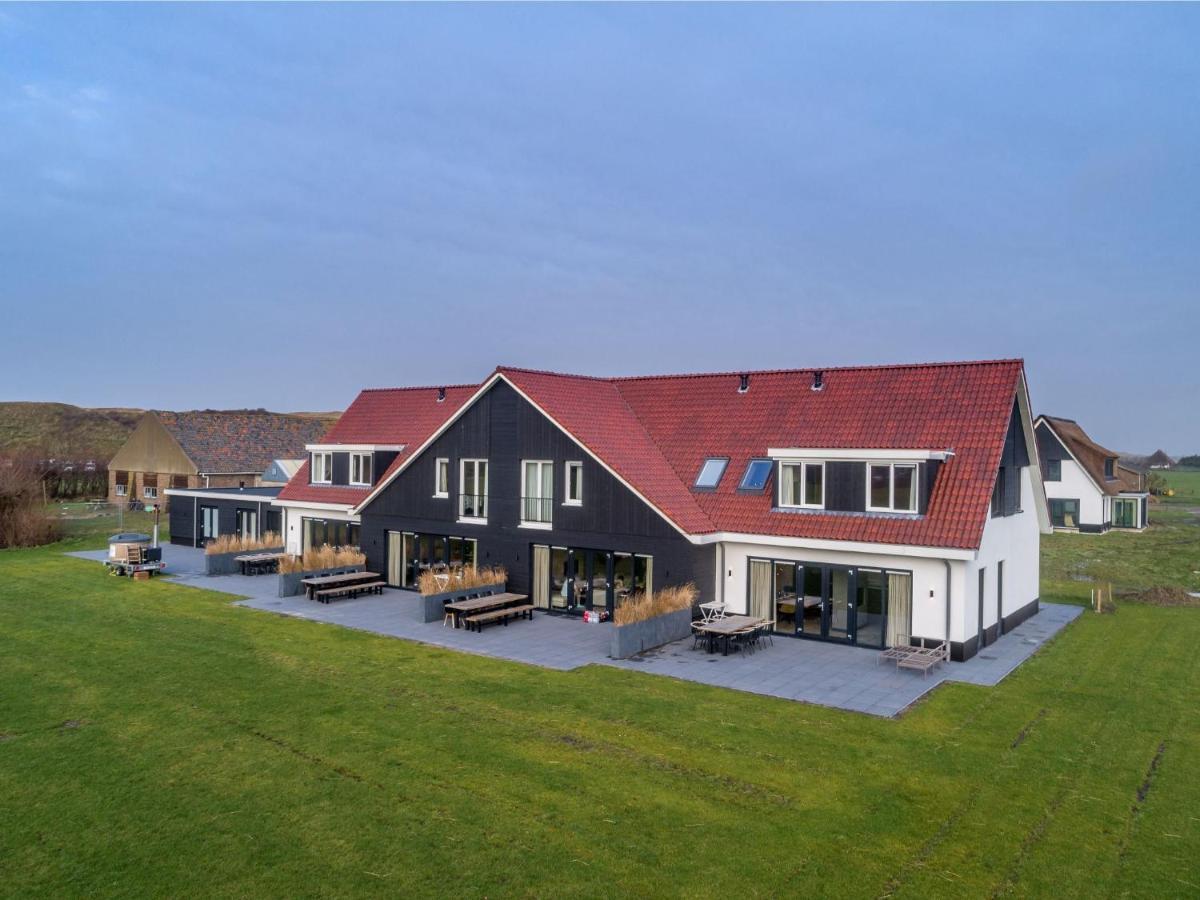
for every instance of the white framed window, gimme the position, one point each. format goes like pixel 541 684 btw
pixel 120 490
pixel 802 485
pixel 361 468
pixel 322 468
pixel 537 493
pixel 150 493
pixel 891 487
pixel 573 489
pixel 473 489
pixel 441 477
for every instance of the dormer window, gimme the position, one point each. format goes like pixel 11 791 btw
pixel 360 468
pixel 802 484
pixel 322 468
pixel 1110 468
pixel 710 473
pixel 891 487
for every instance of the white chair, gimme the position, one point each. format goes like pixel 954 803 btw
pixel 711 611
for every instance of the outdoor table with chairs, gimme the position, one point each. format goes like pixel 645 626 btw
pixel 258 563
pixel 476 612
pixel 349 584
pixel 716 629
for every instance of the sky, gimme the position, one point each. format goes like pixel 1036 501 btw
pixel 277 205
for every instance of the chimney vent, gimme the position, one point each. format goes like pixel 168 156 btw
pixel 744 385
pixel 818 380
pixel 441 394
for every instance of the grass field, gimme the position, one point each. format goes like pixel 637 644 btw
pixel 156 740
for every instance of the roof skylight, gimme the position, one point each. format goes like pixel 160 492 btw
pixel 757 473
pixel 711 472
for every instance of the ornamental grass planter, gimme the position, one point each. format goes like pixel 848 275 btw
pixel 289 582
pixel 638 637
pixel 432 607
pixel 227 564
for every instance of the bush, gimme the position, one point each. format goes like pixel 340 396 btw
pixel 232 543
pixel 461 579
pixel 641 607
pixel 323 557
pixel 23 522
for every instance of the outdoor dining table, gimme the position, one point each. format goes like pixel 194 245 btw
pixel 320 582
pixel 254 563
pixel 488 602
pixel 723 629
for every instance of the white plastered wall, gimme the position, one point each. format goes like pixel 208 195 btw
pixel 293 525
pixel 1076 485
pixel 929 579
pixel 1015 540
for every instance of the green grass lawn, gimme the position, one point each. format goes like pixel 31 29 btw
pixel 156 740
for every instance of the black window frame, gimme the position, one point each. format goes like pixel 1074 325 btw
pixel 1054 470
pixel 750 464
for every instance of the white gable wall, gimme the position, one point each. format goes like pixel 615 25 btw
pixel 1077 485
pixel 1015 540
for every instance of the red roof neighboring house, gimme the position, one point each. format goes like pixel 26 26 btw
pixel 381 416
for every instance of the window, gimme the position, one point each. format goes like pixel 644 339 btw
pixel 998 494
pixel 441 477
pixel 1125 513
pixel 318 532
pixel 574 488
pixel 246 523
pixel 120 490
pixel 472 480
pixel 360 468
pixel 758 472
pixel 322 468
pixel 802 484
pixel 1110 468
pixel 892 487
pixel 150 493
pixel 1064 513
pixel 537 492
pixel 1054 470
pixel 209 527
pixel 710 473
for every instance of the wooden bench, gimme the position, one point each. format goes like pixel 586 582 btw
pixel 350 590
pixel 920 658
pixel 499 615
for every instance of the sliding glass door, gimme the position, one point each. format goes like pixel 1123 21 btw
pixel 865 607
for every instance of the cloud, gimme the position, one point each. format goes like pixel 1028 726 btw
pixel 83 104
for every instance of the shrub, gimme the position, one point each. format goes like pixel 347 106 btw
pixel 23 522
pixel 461 579
pixel 323 557
pixel 232 543
pixel 641 607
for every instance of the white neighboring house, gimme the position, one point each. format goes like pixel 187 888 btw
pixel 373 436
pixel 1088 489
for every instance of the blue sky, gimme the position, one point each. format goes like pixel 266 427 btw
pixel 277 205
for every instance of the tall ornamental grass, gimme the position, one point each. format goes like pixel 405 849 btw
pixel 641 607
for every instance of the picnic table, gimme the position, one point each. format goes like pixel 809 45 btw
pixel 479 611
pixel 721 630
pixel 326 587
pixel 258 563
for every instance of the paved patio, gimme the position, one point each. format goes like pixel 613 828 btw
pixel 792 669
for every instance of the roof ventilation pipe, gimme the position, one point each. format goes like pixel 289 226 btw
pixel 818 380
pixel 441 394
pixel 744 384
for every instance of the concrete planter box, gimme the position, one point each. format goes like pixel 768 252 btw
pixel 226 563
pixel 630 640
pixel 289 582
pixel 432 608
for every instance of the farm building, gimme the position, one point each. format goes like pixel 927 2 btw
pixel 205 449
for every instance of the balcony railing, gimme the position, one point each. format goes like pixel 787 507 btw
pixel 537 510
pixel 472 506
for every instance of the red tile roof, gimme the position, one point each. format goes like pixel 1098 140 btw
pixel 655 432
pixel 385 416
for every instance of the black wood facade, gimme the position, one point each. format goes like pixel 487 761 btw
pixel 186 516
pixel 505 429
